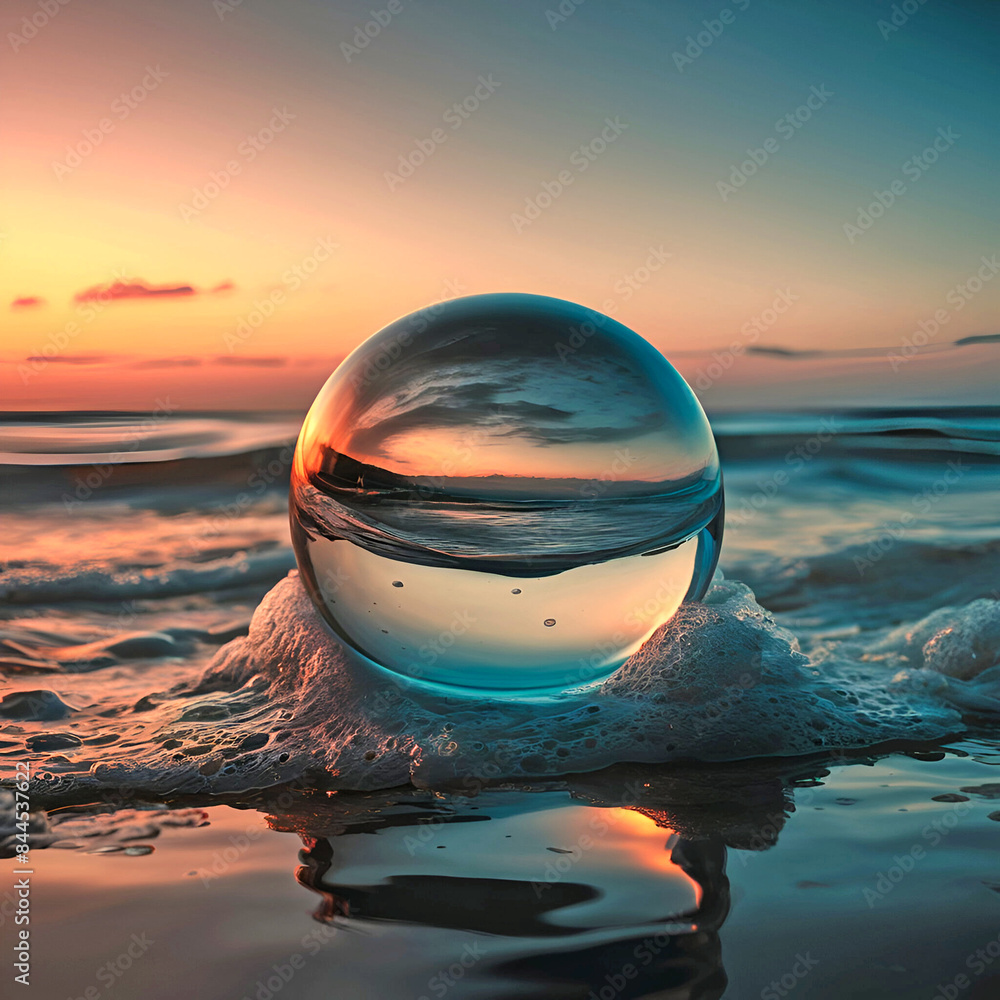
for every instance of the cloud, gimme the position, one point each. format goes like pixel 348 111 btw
pixel 443 402
pixel 72 359
pixel 142 290
pixel 979 338
pixel 27 302
pixel 251 361
pixel 168 363
pixel 131 290
pixel 781 352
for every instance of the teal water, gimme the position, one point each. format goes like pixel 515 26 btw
pixel 868 878
pixel 868 874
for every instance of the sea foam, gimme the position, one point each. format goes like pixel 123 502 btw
pixel 720 682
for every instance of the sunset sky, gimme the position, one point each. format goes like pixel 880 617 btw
pixel 174 170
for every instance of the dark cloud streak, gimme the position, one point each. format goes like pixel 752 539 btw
pixel 118 290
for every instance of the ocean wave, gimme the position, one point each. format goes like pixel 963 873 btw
pixel 165 435
pixel 875 583
pixel 96 438
pixel 41 586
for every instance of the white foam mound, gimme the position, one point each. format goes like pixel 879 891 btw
pixel 719 682
pixel 952 652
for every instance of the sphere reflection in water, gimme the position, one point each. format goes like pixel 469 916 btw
pixel 504 492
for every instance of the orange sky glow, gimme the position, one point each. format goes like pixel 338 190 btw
pixel 189 184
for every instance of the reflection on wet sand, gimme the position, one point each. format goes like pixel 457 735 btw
pixel 607 885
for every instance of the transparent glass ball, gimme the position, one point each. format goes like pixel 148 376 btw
pixel 504 492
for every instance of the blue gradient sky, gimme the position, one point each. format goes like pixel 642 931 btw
pixel 452 226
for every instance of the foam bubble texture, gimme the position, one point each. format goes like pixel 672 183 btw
pixel 720 682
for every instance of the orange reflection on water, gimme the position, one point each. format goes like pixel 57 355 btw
pixel 644 844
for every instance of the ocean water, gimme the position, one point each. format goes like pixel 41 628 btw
pixel 786 791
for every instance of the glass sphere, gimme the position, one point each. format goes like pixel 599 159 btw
pixel 504 492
